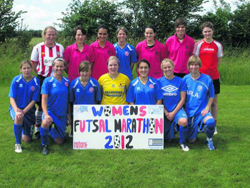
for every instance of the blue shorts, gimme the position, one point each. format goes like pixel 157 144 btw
pixel 170 125
pixel 195 125
pixel 28 121
pixel 58 127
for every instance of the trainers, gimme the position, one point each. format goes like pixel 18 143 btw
pixel 18 148
pixel 184 147
pixel 215 131
pixel 210 144
pixel 45 150
pixel 37 135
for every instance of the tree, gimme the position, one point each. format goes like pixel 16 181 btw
pixel 8 19
pixel 90 14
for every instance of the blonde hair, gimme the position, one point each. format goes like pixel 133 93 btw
pixel 45 30
pixel 84 66
pixel 113 58
pixel 194 59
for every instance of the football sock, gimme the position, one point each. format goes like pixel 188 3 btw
pixel 183 134
pixel 38 115
pixel 210 127
pixel 18 132
pixel 44 136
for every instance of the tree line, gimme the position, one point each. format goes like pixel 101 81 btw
pixel 232 28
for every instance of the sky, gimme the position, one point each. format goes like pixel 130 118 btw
pixel 42 13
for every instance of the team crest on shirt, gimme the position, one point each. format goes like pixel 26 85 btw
pixel 20 85
pixel 109 52
pixel 66 84
pixel 151 86
pixel 199 88
pixel 91 90
pixel 87 57
pixel 186 46
pixel 126 53
pixel 32 88
pixel 156 53
pixel 120 86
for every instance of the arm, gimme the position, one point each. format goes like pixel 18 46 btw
pixel 18 111
pixel 28 107
pixel 131 103
pixel 34 65
pixel 159 102
pixel 219 61
pixel 171 115
pixel 45 107
pixel 132 66
pixel 206 110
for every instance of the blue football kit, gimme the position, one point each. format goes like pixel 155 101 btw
pixel 139 93
pixel 89 94
pixel 126 56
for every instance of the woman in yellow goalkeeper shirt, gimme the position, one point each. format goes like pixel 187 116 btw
pixel 114 85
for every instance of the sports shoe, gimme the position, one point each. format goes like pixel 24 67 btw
pixel 184 147
pixel 210 144
pixel 215 131
pixel 18 148
pixel 45 150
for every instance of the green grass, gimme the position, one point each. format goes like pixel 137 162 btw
pixel 227 166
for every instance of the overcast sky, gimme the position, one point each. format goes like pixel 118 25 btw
pixel 42 13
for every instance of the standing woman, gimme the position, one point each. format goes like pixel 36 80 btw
pixel 24 92
pixel 125 53
pixel 84 89
pixel 200 95
pixel 103 49
pixel 114 85
pixel 144 89
pixel 54 103
pixel 179 48
pixel 77 52
pixel 42 58
pixel 151 50
pixel 210 52
pixel 174 96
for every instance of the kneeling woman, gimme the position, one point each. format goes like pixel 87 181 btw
pixel 24 92
pixel 200 95
pixel 54 104
pixel 113 84
pixel 173 99
pixel 84 89
pixel 144 89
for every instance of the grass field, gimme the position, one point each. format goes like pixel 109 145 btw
pixel 227 166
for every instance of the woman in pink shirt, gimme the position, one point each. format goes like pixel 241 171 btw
pixel 77 52
pixel 151 50
pixel 103 49
pixel 179 47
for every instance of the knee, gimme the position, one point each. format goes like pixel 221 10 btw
pixel 26 138
pixel 210 124
pixel 46 124
pixel 182 122
pixel 59 141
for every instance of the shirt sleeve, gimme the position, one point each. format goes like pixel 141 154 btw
pixel 130 94
pixel 98 92
pixel 211 89
pixel 71 92
pixel 12 92
pixel 159 94
pixel 45 87
pixel 133 55
pixel 36 96
pixel 66 54
pixel 34 54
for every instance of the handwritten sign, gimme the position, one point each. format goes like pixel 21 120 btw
pixel 118 127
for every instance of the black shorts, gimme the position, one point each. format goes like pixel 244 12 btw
pixel 181 75
pixel 41 79
pixel 216 86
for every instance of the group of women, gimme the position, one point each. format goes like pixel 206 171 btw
pixel 102 74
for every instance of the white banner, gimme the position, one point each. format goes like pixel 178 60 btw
pixel 118 127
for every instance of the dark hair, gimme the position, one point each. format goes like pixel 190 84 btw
pixel 24 62
pixel 180 21
pixel 142 61
pixel 150 27
pixel 79 28
pixel 207 24
pixel 84 66
pixel 102 27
